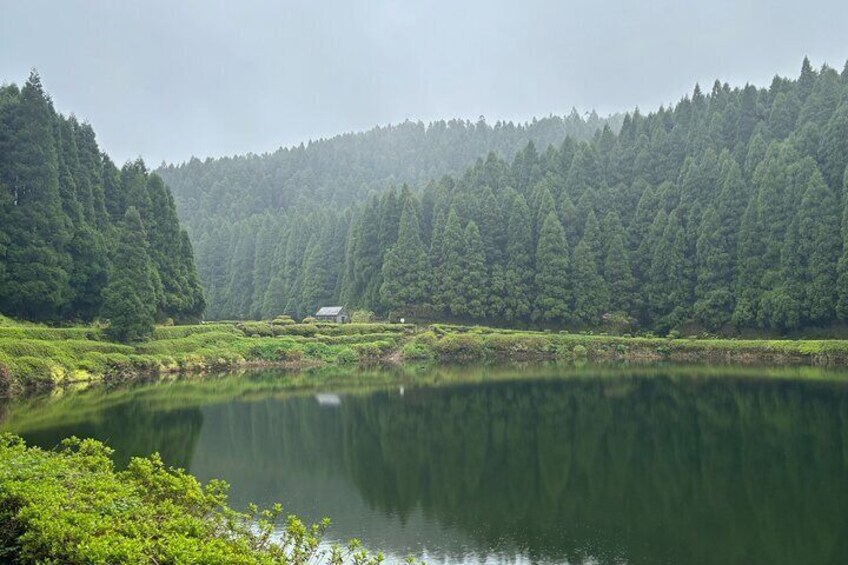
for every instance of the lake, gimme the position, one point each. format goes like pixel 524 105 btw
pixel 668 465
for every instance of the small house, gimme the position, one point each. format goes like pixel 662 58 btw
pixel 336 314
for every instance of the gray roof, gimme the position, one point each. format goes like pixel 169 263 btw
pixel 330 311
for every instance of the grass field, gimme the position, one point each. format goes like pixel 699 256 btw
pixel 35 357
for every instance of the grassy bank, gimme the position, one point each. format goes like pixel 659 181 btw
pixel 73 506
pixel 37 358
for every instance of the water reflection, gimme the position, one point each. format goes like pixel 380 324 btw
pixel 626 469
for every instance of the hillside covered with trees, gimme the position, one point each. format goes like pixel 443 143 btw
pixel 79 237
pixel 725 211
pixel 237 208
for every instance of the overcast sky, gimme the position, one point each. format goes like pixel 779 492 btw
pixel 174 78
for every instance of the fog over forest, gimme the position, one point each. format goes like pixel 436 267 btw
pixel 165 80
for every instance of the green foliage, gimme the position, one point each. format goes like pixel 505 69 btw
pixel 553 293
pixel 405 267
pixel 72 506
pixel 63 204
pixel 591 294
pixel 462 347
pixel 362 316
pixel 130 297
pixel 722 213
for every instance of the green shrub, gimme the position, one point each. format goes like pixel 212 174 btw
pixel 176 332
pixel 346 355
pixel 362 316
pixel 417 351
pixel 258 329
pixel 283 321
pixel 298 329
pixel 6 380
pixel 373 350
pixel 579 352
pixel 517 345
pixel 34 372
pixel 308 320
pixel 460 347
pixel 72 506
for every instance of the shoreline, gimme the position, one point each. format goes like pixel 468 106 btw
pixel 39 359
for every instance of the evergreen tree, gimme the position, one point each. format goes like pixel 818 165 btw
pixel 89 273
pixel 448 276
pixel 474 285
pixel 714 298
pixel 519 269
pixel 130 296
pixel 405 267
pixel 37 228
pixel 591 295
pixel 833 150
pixel 666 284
pixel 842 265
pixel 819 248
pixel 617 271
pixel 553 292
pixel 781 306
pixel 750 272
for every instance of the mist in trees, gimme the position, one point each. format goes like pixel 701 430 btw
pixel 726 211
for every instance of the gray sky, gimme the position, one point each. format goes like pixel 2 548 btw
pixel 173 78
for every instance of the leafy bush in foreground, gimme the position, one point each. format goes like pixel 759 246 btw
pixel 72 507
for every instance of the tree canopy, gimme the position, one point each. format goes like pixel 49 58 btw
pixel 725 211
pixel 68 217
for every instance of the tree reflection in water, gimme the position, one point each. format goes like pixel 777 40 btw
pixel 663 469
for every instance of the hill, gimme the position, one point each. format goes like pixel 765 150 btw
pixel 229 204
pixel 725 212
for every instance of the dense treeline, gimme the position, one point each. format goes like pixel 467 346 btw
pixel 80 238
pixel 238 209
pixel 725 211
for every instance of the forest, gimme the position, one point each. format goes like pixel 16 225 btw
pixel 82 239
pixel 721 213
pixel 237 209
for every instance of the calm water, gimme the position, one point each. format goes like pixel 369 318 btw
pixel 664 466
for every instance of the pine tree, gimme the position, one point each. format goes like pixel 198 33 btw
pixel 519 270
pixel 89 273
pixel 37 228
pixel 319 273
pixel 130 296
pixel 751 267
pixel 448 293
pixel 617 271
pixel 568 219
pixel 405 266
pixel 552 283
pixel 833 150
pixel 366 258
pixel 666 283
pixel 784 115
pixel 842 265
pixel 591 295
pixel 819 248
pixel 781 306
pixel 193 302
pixel 714 259
pixel 474 283
pixel 543 203
pixel 390 212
